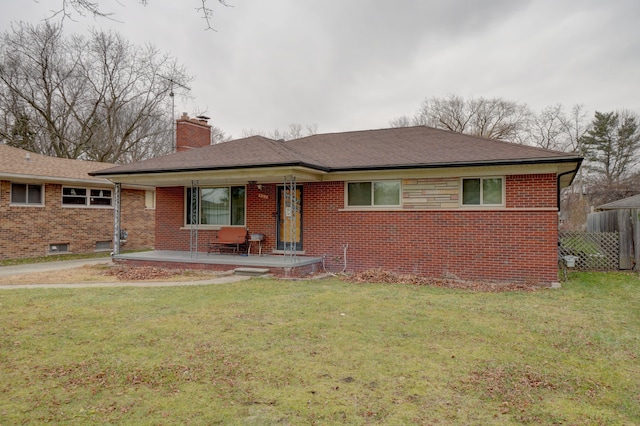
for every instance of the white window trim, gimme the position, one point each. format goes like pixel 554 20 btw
pixel 482 205
pixel 213 226
pixel 27 204
pixel 87 205
pixel 381 207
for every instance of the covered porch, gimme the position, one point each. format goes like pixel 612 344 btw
pixel 264 202
pixel 280 265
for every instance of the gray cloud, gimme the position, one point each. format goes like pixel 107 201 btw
pixel 357 64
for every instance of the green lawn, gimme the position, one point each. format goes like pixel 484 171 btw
pixel 322 352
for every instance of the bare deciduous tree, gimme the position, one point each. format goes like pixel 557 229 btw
pixel 402 121
pixel 554 129
pixel 295 131
pixel 491 118
pixel 97 98
pixel 218 135
pixel 93 8
pixel 501 119
pixel 548 129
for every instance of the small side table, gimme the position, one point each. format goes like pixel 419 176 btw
pixel 255 238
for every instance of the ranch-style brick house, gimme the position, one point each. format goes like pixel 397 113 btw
pixel 53 206
pixel 412 200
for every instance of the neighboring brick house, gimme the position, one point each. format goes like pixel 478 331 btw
pixel 412 200
pixel 51 205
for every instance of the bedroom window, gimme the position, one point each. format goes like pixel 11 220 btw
pixel 380 193
pixel 218 206
pixel 483 191
pixel 26 194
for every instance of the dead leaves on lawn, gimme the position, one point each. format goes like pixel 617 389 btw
pixel 385 277
pixel 138 273
pixel 154 273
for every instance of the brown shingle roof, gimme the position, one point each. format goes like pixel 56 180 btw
pixel 360 150
pixel 255 151
pixel 412 147
pixel 16 163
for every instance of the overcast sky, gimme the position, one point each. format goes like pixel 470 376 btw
pixel 357 64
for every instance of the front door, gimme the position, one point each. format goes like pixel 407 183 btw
pixel 289 218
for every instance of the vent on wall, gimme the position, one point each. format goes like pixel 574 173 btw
pixel 58 248
pixel 103 245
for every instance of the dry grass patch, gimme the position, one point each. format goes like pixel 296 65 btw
pixel 82 274
pixel 107 273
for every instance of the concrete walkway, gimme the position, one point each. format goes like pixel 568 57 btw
pixel 68 264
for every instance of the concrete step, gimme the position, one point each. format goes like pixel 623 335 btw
pixel 251 272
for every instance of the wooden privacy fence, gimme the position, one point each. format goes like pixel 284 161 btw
pixel 592 251
pixel 626 222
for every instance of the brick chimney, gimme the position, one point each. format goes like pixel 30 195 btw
pixel 192 132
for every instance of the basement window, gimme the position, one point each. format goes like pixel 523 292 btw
pixel 103 245
pixel 58 248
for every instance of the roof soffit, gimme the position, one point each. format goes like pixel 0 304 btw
pixel 221 177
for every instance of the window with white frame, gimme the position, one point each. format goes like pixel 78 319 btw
pixel 27 194
pixel 488 191
pixel 379 193
pixel 217 206
pixel 86 197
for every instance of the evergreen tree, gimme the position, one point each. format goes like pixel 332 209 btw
pixel 611 147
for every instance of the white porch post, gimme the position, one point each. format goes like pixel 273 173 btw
pixel 116 219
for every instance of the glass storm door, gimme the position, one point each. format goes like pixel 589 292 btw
pixel 289 218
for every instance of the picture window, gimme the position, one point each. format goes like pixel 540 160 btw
pixel 216 206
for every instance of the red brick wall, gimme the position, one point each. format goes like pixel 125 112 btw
pixel 137 220
pixel 527 191
pixel 469 244
pixel 192 133
pixel 170 219
pixel 29 231
pixel 261 214
pixel 517 243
